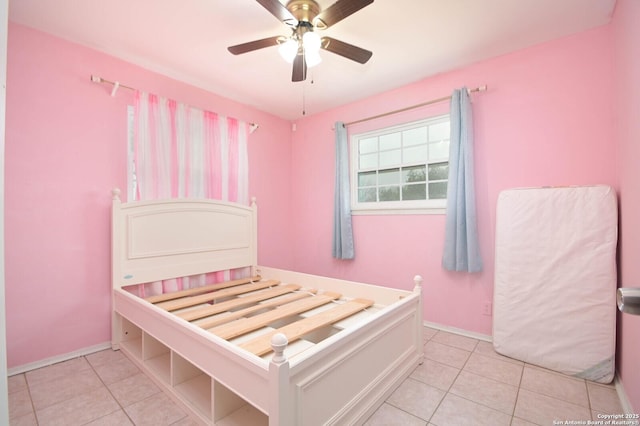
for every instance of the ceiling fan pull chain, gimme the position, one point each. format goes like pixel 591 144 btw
pixel 304 100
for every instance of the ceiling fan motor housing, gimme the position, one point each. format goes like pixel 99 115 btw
pixel 303 10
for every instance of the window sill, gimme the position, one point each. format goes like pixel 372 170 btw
pixel 405 211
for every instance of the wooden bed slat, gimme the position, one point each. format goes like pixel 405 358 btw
pixel 199 290
pixel 237 303
pixel 245 325
pixel 185 302
pixel 294 331
pixel 230 316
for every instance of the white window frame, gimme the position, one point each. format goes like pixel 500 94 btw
pixel 433 206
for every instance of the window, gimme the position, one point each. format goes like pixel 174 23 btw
pixel 401 169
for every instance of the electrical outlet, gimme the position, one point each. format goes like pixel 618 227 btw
pixel 486 308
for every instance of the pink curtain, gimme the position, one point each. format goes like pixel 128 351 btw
pixel 185 152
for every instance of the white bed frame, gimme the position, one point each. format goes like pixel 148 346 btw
pixel 341 377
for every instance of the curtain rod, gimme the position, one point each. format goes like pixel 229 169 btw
pixel 116 85
pixel 433 101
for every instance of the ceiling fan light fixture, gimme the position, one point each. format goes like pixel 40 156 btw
pixel 311 42
pixel 312 59
pixel 288 49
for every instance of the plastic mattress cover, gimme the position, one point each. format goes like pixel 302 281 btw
pixel 555 279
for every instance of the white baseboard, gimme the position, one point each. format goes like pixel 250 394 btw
pixel 459 331
pixel 624 400
pixel 58 358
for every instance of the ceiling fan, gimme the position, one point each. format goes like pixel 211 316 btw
pixel 302 47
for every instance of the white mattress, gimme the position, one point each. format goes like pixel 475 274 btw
pixel 555 279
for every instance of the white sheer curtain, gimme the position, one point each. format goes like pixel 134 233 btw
pixel 185 152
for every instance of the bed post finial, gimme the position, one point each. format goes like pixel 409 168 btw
pixel 418 281
pixel 115 193
pixel 279 343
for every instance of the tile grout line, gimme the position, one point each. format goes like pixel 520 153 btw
pixel 110 393
pixel 513 413
pixel 591 410
pixel 415 380
pixel 33 407
pixel 35 412
pixel 149 397
pixel 447 392
pixel 122 408
pixel 462 368
pixel 519 386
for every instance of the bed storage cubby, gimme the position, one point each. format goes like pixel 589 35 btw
pixel 191 384
pixel 230 409
pixel 156 357
pixel 131 337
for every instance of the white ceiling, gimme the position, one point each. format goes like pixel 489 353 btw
pixel 410 39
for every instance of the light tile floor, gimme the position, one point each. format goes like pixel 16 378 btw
pixel 461 382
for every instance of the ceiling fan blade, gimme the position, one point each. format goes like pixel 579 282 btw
pixel 338 11
pixel 299 69
pixel 347 50
pixel 254 45
pixel 278 10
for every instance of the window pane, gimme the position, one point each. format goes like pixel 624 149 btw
pixel 414 174
pixel 367 195
pixel 414 136
pixel 389 177
pixel 439 150
pixel 437 190
pixel 369 161
pixel 439 131
pixel 439 171
pixel 389 193
pixel 414 192
pixel 415 154
pixel 368 145
pixel 390 141
pixel 366 179
pixel 390 158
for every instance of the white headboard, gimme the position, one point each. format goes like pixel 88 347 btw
pixel 157 240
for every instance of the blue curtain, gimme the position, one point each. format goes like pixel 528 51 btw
pixel 461 246
pixel 342 230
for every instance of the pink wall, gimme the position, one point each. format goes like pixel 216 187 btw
pixel 627 136
pixel 65 150
pixel 546 120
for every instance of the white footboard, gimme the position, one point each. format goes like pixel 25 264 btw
pixel 346 377
pixel 342 379
pixel 346 381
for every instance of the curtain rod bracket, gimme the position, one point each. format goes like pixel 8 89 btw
pixel 116 86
